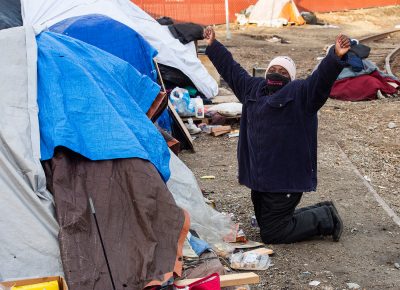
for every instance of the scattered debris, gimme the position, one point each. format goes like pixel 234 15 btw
pixel 397 265
pixel 379 95
pixel 305 275
pixel 274 39
pixel 314 283
pixel 208 177
pixel 367 178
pixel 353 286
pixel 254 223
pixel 249 244
pixel 392 125
pixel 192 128
pixel 253 260
pixel 234 133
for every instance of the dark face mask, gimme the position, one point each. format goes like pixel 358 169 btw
pixel 275 82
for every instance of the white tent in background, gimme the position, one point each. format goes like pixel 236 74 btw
pixel 275 13
pixel 44 13
pixel 28 237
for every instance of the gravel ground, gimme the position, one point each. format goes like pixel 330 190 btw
pixel 350 135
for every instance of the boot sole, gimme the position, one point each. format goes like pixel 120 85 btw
pixel 336 238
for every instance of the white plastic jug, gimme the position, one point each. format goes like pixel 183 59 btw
pixel 199 108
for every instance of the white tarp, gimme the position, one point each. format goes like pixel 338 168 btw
pixel 44 13
pixel 28 228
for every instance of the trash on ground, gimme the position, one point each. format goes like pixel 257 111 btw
pixel 233 134
pixel 314 283
pixel 227 109
pixel 192 128
pixel 208 177
pixel 353 286
pixel 252 260
pixel 248 245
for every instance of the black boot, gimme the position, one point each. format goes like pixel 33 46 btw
pixel 327 203
pixel 338 223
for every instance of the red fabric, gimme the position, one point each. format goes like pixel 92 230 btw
pixel 210 282
pixel 362 88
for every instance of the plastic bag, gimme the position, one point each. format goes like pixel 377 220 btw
pixel 253 260
pixel 211 225
pixel 180 99
pixel 227 109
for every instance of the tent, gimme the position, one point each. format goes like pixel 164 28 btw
pixel 113 37
pixel 82 88
pixel 275 13
pixel 28 238
pixel 43 14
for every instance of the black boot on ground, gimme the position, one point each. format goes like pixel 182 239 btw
pixel 337 221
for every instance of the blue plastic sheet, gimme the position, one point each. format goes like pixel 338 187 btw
pixel 94 103
pixel 113 37
pixel 117 39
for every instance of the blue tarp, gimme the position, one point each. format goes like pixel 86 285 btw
pixel 94 103
pixel 113 37
pixel 117 39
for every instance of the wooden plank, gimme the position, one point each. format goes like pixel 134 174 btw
pixel 181 125
pixel 217 131
pixel 174 114
pixel 228 280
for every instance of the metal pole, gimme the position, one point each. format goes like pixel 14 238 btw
pixel 228 32
pixel 101 241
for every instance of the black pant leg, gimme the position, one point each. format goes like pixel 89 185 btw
pixel 275 213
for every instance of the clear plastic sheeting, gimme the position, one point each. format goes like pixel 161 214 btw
pixel 44 13
pixel 28 238
pixel 211 225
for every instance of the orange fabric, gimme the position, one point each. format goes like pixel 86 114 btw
pixel 289 12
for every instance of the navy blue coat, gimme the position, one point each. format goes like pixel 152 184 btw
pixel 277 150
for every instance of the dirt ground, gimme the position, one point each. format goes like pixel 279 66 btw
pixel 351 135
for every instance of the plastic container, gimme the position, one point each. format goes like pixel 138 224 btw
pixel 53 285
pixel 199 108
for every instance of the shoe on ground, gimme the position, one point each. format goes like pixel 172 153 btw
pixel 337 222
pixel 327 203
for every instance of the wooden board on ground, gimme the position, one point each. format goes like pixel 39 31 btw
pixel 229 280
pixel 249 245
pixel 207 120
pixel 181 125
pixel 217 131
pixel 176 118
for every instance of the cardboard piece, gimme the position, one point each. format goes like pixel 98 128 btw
pixel 62 285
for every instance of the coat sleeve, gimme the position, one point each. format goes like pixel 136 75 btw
pixel 237 77
pixel 317 87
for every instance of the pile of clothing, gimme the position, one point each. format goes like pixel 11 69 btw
pixel 362 80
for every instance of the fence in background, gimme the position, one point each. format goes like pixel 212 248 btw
pixel 213 11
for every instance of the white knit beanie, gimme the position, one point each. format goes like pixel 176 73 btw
pixel 285 62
